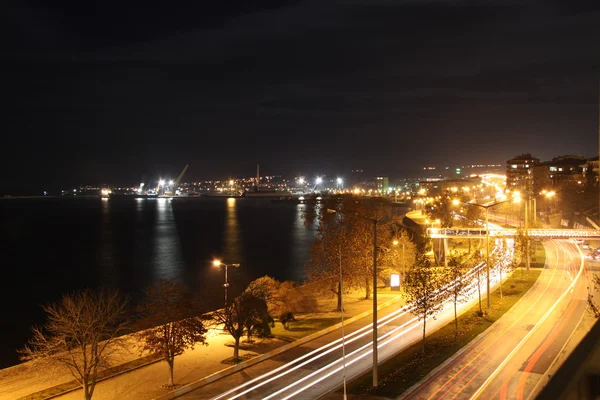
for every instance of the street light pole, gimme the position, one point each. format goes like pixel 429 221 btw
pixel 218 263
pixel 342 307
pixel 527 259
pixel 375 377
pixel 487 254
pixel 226 285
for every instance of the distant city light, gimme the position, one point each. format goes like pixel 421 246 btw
pixel 319 180
pixel 301 180
pixel 340 181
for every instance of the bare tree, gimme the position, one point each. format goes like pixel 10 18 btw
pixel 346 237
pixel 423 290
pixel 168 327
pixel 460 286
pixel 473 260
pixel 245 312
pixel 81 332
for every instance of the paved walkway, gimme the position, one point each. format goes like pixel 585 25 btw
pixel 147 382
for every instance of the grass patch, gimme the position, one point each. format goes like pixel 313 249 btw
pixel 234 361
pixel 410 366
pixel 301 328
pixel 105 374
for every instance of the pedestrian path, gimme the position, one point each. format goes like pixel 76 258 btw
pixel 148 381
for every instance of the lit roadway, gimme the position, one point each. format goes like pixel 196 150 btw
pixel 510 360
pixel 316 368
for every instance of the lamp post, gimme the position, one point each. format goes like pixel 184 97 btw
pixel 218 263
pixel 487 240
pixel 375 374
pixel 342 310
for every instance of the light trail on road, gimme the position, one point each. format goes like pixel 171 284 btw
pixel 513 385
pixel 465 375
pixel 324 371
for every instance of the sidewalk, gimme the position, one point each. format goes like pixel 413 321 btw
pixel 147 382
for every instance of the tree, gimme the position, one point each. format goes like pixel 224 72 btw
pixel 473 216
pixel 594 308
pixel 269 290
pixel 499 261
pixel 422 290
pixel 441 209
pixel 81 332
pixel 523 246
pixel 461 282
pixel 168 328
pixel 346 237
pixel 400 256
pixel 472 261
pixel 245 312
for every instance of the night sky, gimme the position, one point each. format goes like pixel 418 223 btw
pixel 112 93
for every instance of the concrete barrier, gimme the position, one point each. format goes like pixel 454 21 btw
pixel 245 364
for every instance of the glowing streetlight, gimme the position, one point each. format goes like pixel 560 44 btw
pixel 171 182
pixel 161 182
pixel 217 263
pixel 301 181
pixel 319 180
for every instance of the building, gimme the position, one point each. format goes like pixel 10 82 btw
pixel 382 184
pixel 561 172
pixel 590 171
pixel 519 172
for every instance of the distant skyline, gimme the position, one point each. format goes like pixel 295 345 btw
pixel 110 92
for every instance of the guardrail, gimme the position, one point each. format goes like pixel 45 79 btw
pixel 479 233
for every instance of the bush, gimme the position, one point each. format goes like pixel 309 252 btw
pixel 286 318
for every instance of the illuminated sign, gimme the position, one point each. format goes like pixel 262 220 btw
pixel 395 281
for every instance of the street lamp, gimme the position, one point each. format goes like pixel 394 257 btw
pixel 487 239
pixel 374 221
pixel 218 263
pixel 342 312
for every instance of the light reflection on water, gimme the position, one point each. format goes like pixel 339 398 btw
pixel 231 235
pixel 56 246
pixel 167 259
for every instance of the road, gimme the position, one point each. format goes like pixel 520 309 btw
pixel 510 360
pixel 316 368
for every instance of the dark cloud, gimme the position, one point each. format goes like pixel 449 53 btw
pixel 307 85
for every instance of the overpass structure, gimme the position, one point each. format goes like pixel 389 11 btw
pixel 479 233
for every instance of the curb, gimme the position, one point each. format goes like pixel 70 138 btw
pixel 245 364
